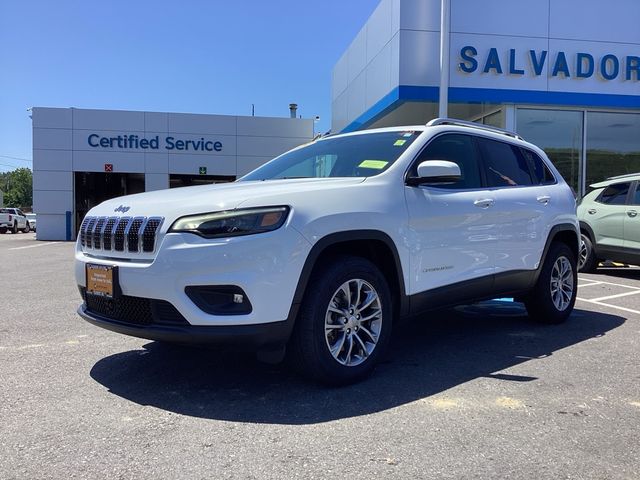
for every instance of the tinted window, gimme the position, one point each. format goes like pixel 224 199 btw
pixel 505 165
pixel 636 197
pixel 615 194
pixel 541 173
pixel 458 149
pixel 362 155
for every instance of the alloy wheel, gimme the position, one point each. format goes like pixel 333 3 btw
pixel 353 322
pixel 562 284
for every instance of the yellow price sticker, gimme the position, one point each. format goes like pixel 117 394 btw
pixel 399 143
pixel 377 164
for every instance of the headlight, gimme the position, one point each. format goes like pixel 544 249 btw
pixel 232 223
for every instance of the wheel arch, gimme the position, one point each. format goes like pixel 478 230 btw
pixel 374 245
pixel 565 233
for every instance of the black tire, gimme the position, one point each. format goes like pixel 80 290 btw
pixel 309 350
pixel 14 229
pixel 540 301
pixel 3 230
pixel 587 263
pixel 26 229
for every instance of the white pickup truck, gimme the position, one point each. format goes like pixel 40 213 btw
pixel 13 219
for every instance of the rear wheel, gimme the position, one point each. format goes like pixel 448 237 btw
pixel 3 229
pixel 14 229
pixel 587 261
pixel 554 295
pixel 344 322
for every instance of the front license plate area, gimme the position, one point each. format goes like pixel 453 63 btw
pixel 102 280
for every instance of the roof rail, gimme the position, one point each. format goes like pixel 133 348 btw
pixel 479 126
pixel 626 175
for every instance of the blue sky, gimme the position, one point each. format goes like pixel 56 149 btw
pixel 216 56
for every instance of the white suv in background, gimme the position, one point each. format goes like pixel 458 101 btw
pixel 325 247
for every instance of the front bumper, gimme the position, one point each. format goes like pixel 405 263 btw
pixel 266 266
pixel 268 335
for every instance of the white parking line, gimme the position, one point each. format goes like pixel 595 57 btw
pixel 625 294
pixel 608 305
pixel 602 282
pixel 34 246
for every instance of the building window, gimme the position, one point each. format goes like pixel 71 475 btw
pixel 613 145
pixel 559 134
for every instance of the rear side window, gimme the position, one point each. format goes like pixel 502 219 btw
pixel 504 164
pixel 458 149
pixel 615 194
pixel 541 173
pixel 636 197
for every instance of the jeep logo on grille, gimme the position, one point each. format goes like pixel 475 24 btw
pixel 122 209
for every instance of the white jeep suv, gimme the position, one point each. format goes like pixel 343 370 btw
pixel 322 249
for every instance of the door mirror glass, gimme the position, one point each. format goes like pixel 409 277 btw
pixel 438 171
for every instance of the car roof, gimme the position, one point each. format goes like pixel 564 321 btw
pixel 630 177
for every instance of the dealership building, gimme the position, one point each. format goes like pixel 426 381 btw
pixel 83 157
pixel 564 74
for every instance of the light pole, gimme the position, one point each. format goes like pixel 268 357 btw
pixel 443 97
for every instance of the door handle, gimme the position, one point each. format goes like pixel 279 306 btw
pixel 484 203
pixel 544 199
pixel 632 213
pixel 591 211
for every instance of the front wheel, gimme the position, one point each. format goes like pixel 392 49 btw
pixel 344 323
pixel 27 228
pixel 554 295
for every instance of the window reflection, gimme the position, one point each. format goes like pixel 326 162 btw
pixel 559 134
pixel 613 145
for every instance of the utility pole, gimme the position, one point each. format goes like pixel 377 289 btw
pixel 445 24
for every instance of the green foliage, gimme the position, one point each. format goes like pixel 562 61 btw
pixel 17 187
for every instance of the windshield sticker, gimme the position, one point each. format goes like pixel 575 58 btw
pixel 399 143
pixel 407 134
pixel 376 164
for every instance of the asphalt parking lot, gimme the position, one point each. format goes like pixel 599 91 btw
pixel 474 392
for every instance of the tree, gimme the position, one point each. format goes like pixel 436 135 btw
pixel 18 188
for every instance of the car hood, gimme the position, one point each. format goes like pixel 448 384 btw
pixel 177 202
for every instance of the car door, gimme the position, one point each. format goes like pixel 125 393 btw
pixel 631 228
pixel 607 217
pixel 451 227
pixel 525 207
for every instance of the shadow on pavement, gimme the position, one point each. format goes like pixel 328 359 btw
pixel 631 273
pixel 425 358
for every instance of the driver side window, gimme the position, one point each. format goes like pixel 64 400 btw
pixel 458 149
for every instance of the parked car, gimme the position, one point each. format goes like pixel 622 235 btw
pixel 31 217
pixel 325 247
pixel 14 220
pixel 609 222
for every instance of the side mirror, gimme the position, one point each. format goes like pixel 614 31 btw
pixel 436 172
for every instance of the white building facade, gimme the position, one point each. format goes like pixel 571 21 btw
pixel 565 74
pixel 82 157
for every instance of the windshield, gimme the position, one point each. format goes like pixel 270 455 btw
pixel 363 155
pixel 30 215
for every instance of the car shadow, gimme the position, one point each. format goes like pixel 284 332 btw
pixel 631 273
pixel 425 357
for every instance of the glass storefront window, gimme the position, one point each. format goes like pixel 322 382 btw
pixel 613 145
pixel 559 134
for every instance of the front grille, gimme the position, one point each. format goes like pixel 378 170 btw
pixel 133 310
pixel 120 234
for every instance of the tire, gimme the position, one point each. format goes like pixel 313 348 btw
pixel 14 229
pixel 554 295
pixel 348 351
pixel 587 261
pixel 26 229
pixel 4 229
